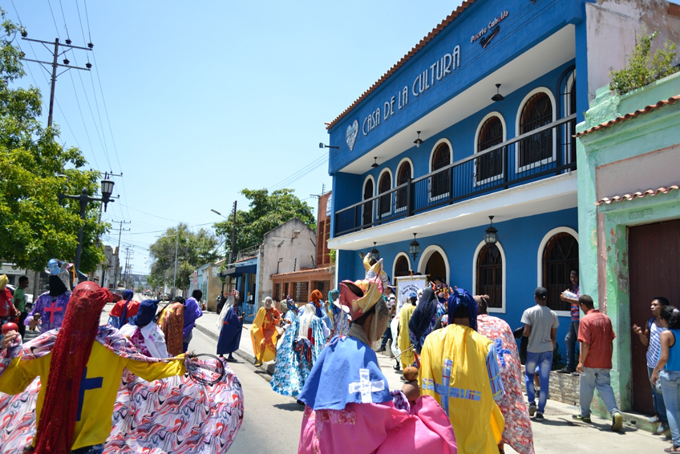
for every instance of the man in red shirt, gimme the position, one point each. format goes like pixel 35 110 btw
pixel 596 336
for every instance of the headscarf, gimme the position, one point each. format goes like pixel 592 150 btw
pixel 191 313
pixel 268 302
pixel 290 304
pixel 145 314
pixel 423 314
pixel 316 296
pixel 127 294
pixel 461 297
pixel 228 304
pixel 334 298
pixel 58 268
pixel 70 355
pixel 57 286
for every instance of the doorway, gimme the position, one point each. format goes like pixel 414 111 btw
pixel 654 270
pixel 436 267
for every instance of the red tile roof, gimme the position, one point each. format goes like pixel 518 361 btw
pixel 435 31
pixel 628 116
pixel 637 195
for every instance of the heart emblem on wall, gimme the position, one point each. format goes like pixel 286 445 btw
pixel 352 134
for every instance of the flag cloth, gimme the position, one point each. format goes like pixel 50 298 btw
pixel 151 417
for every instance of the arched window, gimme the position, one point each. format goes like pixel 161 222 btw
pixel 404 173
pixel 385 201
pixel 538 148
pixel 368 206
pixel 560 256
pixel 490 165
pixel 490 275
pixel 402 267
pixel 569 107
pixel 440 184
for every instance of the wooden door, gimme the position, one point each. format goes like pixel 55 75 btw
pixel 368 206
pixel 654 252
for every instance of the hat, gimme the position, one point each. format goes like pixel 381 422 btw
pixel 360 296
pixel 541 292
pixel 412 295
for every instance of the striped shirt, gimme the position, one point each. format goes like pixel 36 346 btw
pixel 654 348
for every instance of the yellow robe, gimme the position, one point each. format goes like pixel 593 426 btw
pixel 404 342
pixel 475 417
pixel 104 371
pixel 264 330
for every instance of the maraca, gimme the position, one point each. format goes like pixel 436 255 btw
pixel 9 327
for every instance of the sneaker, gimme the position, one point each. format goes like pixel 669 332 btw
pixel 581 418
pixel 654 419
pixel 380 350
pixel 663 427
pixel 617 421
pixel 566 370
pixel 532 409
pixel 539 416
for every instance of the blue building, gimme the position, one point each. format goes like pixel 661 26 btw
pixel 477 120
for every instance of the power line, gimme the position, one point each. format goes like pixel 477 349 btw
pixel 53 19
pixel 64 16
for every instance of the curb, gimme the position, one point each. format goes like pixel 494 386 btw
pixel 268 367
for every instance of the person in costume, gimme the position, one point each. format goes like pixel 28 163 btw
pixel 341 318
pixel 50 307
pixel 404 337
pixel 348 403
pixel 192 311
pixel 459 368
pixel 263 332
pixel 230 326
pixel 123 310
pixel 517 433
pixel 298 350
pixel 320 306
pixel 171 322
pixel 143 332
pixel 7 310
pixel 75 417
pixel 423 319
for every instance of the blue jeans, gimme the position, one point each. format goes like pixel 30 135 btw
pixel 670 383
pixel 544 362
pixel 596 378
pixel 570 341
pixel 657 398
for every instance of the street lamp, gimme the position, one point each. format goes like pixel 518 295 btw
pixel 491 234
pixel 84 199
pixel 414 247
pixel 374 252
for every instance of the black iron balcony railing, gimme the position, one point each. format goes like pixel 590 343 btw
pixel 548 150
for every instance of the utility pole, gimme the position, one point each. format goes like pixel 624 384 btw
pixel 174 276
pixel 233 235
pixel 117 262
pixel 55 64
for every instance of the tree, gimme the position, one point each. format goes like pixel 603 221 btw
pixel 267 211
pixel 644 68
pixel 34 168
pixel 193 250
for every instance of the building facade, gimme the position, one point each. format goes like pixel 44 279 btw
pixel 477 120
pixel 629 214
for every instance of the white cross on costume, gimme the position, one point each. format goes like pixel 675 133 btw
pixel 366 386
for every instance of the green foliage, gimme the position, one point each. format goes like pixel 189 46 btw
pixel 267 211
pixel 644 68
pixel 333 255
pixel 33 226
pixel 193 250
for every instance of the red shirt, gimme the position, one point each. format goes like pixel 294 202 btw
pixel 596 329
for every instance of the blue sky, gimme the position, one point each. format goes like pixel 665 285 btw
pixel 195 101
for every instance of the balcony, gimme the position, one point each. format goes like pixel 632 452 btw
pixel 543 152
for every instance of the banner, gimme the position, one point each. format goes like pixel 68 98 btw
pixel 407 284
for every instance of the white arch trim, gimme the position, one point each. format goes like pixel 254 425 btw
pixel 394 264
pixel 504 266
pixel 363 187
pixel 377 192
pixel 539 259
pixel 425 256
pixel 550 94
pixel 439 142
pixel 385 170
pixel 476 144
pixel 399 166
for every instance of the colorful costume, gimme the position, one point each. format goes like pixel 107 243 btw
pixel 230 327
pixel 7 309
pixel 349 407
pixel 423 319
pixel 171 321
pixel 299 349
pixel 123 310
pixel 144 334
pixel 50 307
pixel 341 319
pixel 517 431
pixel 263 333
pixel 404 339
pixel 192 311
pixel 459 368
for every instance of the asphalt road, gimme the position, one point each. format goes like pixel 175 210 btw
pixel 271 421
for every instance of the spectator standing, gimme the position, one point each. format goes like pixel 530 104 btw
pixel 540 326
pixel 20 303
pixel 571 296
pixel 387 337
pixel 651 338
pixel 595 362
pixel 667 371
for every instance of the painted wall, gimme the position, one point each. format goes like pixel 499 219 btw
pixel 520 239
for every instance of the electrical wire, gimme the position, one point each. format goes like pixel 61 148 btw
pixel 64 16
pixel 53 19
